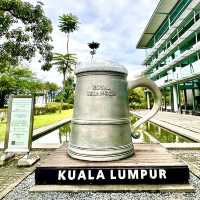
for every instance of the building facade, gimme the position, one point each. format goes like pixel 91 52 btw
pixel 172 43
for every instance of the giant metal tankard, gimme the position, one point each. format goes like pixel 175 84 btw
pixel 101 128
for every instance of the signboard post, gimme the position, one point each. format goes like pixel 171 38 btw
pixel 19 127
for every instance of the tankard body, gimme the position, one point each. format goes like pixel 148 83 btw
pixel 100 125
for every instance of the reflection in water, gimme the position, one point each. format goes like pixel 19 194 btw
pixel 58 136
pixel 144 138
pixel 161 134
pixel 51 138
pixel 61 135
pixel 65 132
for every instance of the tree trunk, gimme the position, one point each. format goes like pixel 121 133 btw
pixel 62 96
pixel 45 97
pixel 64 77
pixel 67 42
pixel 2 99
pixel 91 58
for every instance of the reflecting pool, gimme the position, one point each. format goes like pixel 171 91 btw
pixel 149 133
pixel 161 134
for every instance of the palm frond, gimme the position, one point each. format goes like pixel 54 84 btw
pixel 68 23
pixel 93 45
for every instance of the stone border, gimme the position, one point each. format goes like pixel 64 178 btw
pixel 181 146
pixel 113 188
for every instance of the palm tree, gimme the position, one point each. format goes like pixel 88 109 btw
pixel 93 46
pixel 68 24
pixel 65 62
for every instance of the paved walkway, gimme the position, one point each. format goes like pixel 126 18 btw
pixel 11 175
pixel 186 125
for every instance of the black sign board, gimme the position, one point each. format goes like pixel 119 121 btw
pixel 133 175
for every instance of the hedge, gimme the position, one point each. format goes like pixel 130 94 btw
pixel 51 107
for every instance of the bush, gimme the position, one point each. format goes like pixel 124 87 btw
pixel 58 98
pixel 70 106
pixel 40 110
pixel 67 106
pixel 51 107
pixel 136 105
pixel 3 115
pixel 54 104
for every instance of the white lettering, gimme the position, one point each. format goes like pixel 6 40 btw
pixel 133 174
pixel 153 173
pixel 112 175
pixel 81 175
pixel 143 173
pixel 100 175
pixel 162 174
pixel 122 175
pixel 71 176
pixel 90 177
pixel 61 175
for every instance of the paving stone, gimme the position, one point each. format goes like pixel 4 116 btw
pixel 11 175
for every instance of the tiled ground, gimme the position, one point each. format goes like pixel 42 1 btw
pixel 11 175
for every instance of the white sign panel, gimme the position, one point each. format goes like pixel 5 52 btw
pixel 20 124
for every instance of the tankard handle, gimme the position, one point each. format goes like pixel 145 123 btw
pixel 144 82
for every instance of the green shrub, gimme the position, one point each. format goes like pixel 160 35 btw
pixel 137 105
pixel 51 107
pixel 65 129
pixel 57 104
pixel 39 110
pixel 70 106
pixel 3 114
pixel 67 106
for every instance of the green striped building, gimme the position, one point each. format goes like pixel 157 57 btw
pixel 172 43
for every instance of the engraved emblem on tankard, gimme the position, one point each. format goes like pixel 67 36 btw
pixel 101 129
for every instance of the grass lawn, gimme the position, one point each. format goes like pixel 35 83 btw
pixel 2 130
pixel 41 120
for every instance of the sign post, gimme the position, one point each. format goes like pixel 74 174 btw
pixel 19 128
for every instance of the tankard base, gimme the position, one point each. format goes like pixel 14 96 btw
pixel 100 154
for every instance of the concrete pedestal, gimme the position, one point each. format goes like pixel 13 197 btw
pixel 6 157
pixel 28 160
pixel 152 168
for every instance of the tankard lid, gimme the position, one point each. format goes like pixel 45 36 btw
pixel 101 67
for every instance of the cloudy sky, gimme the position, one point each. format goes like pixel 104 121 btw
pixel 116 24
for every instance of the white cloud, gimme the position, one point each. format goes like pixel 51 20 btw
pixel 115 24
pixel 134 70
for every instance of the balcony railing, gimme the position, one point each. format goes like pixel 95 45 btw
pixel 177 60
pixel 188 33
pixel 196 66
pixel 181 74
pixel 172 29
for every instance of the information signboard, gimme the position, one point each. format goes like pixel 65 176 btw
pixel 20 124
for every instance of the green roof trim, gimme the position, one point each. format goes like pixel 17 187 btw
pixel 159 24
